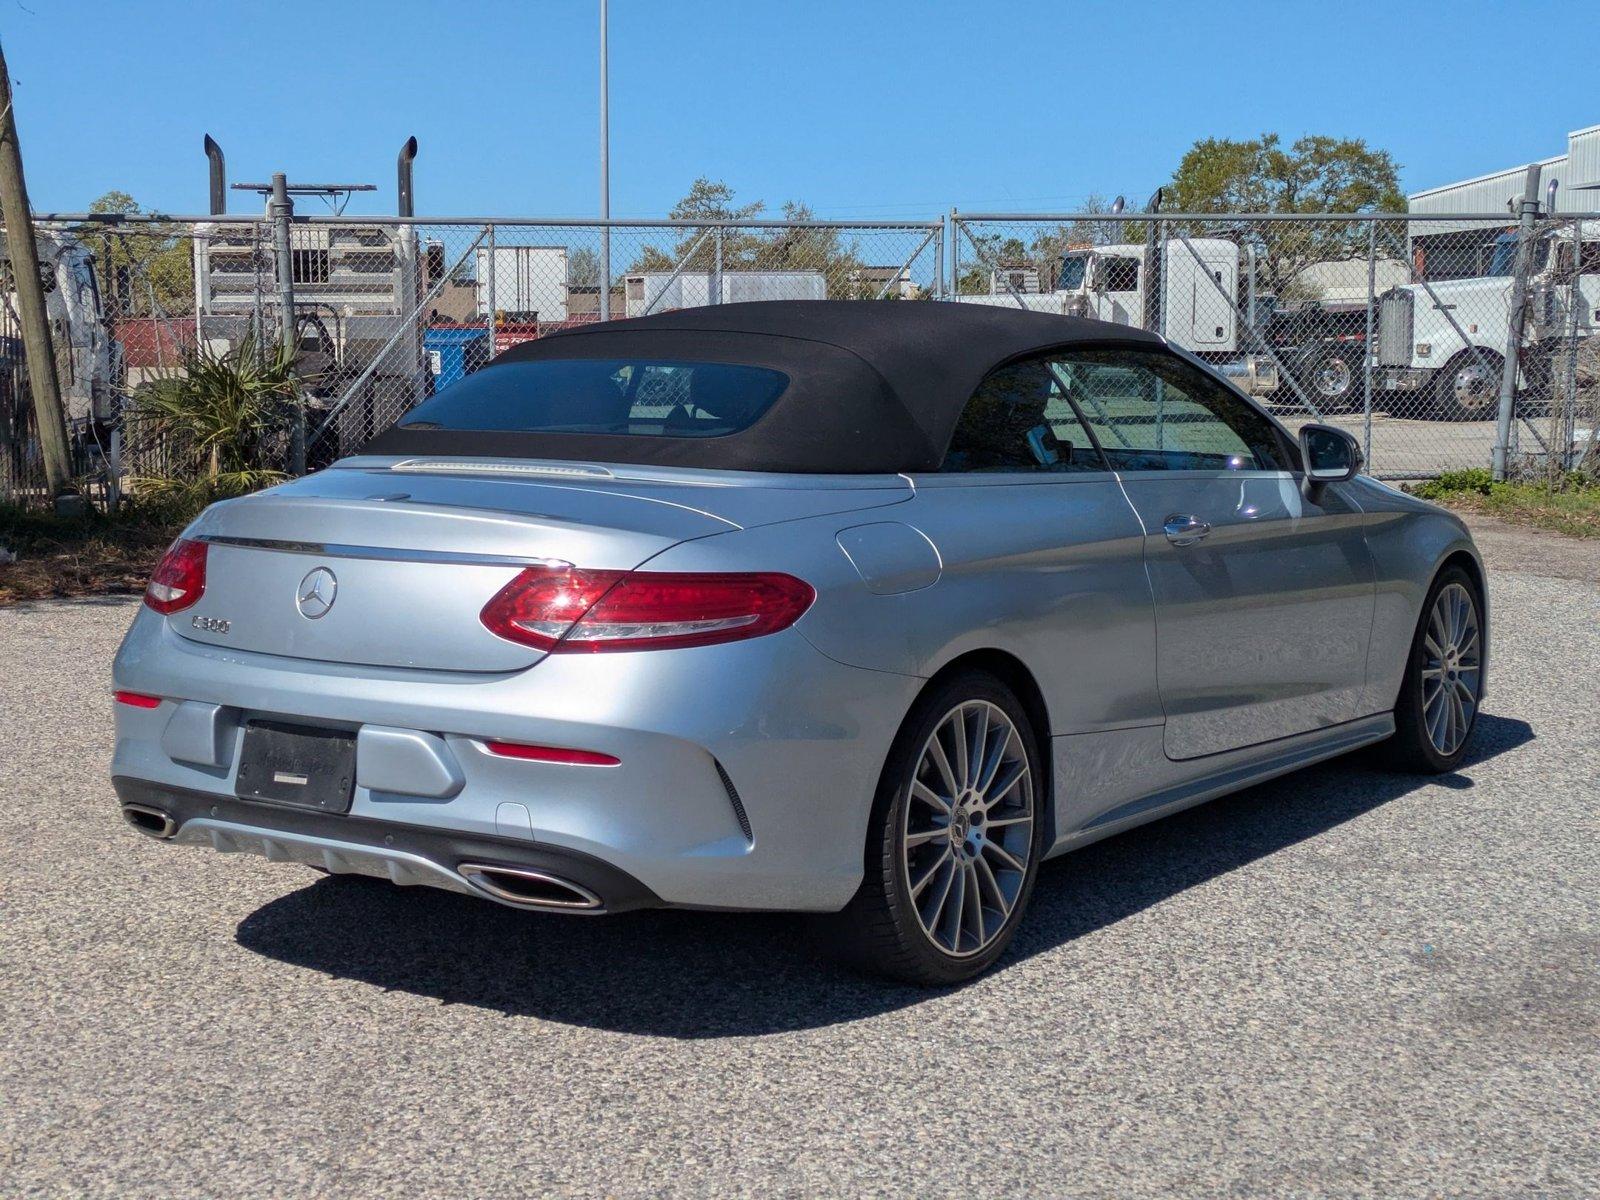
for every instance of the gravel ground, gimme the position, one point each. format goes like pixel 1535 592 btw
pixel 1342 983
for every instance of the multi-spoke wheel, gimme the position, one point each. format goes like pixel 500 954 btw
pixel 955 839
pixel 967 835
pixel 1452 660
pixel 1443 686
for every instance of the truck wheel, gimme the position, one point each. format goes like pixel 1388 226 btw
pixel 1468 389
pixel 1331 376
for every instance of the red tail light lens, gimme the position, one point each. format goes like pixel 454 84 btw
pixel 137 699
pixel 180 577
pixel 566 610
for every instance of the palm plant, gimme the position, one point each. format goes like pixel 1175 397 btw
pixel 222 417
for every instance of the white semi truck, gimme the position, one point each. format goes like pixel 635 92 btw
pixel 1444 341
pixel 1198 293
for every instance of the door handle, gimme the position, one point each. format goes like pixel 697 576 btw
pixel 1184 530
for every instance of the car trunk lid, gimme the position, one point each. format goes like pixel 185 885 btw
pixel 392 569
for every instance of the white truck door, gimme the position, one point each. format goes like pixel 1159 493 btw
pixel 1200 294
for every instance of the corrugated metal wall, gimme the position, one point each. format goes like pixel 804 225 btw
pixel 1490 193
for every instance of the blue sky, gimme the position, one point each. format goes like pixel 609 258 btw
pixel 858 109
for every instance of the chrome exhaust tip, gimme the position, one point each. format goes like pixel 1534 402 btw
pixel 151 821
pixel 528 888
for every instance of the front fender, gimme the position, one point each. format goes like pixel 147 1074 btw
pixel 1410 540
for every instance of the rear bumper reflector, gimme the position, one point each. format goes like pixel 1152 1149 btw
pixel 551 754
pixel 137 699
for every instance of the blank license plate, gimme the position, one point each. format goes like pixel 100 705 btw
pixel 299 765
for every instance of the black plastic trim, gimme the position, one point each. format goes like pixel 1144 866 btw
pixel 618 891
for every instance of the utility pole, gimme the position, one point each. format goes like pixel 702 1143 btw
pixel 605 164
pixel 36 346
pixel 281 211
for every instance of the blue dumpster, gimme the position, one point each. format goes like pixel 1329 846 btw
pixel 455 351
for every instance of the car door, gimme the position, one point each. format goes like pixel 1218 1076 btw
pixel 1040 554
pixel 1263 588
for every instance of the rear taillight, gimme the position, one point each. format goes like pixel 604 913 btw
pixel 179 579
pixel 564 609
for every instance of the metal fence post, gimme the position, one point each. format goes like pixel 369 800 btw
pixel 716 268
pixel 1529 213
pixel 1367 353
pixel 1152 277
pixel 1569 423
pixel 488 295
pixel 939 292
pixel 281 211
pixel 955 255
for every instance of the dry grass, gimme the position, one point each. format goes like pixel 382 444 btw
pixel 88 556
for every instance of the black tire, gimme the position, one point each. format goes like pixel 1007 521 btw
pixel 1468 389
pixel 1412 748
pixel 1330 375
pixel 880 932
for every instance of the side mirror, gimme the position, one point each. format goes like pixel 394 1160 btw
pixel 1330 454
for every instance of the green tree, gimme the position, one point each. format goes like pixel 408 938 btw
pixel 781 249
pixel 1316 174
pixel 146 270
pixel 583 267
pixel 706 200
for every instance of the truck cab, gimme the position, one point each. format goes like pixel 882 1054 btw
pixel 1445 340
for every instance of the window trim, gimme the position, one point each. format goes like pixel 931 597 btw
pixel 1288 446
pixel 1032 472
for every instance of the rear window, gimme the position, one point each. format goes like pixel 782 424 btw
pixel 637 397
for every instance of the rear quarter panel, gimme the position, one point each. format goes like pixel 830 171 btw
pixel 1049 570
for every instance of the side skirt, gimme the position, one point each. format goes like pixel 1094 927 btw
pixel 1242 769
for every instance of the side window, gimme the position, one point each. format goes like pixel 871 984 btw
pixel 1020 419
pixel 1152 411
pixel 1121 274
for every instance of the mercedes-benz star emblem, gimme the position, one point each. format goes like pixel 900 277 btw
pixel 316 594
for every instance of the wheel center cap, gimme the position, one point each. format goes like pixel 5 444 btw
pixel 960 827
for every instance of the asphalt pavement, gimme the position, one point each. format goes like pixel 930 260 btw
pixel 1344 983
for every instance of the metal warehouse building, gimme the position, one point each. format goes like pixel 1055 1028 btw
pixel 1448 255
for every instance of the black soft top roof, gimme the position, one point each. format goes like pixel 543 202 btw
pixel 875 386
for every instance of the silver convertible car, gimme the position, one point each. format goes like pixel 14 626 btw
pixel 842 607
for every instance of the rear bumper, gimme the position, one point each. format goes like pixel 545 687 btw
pixel 745 777
pixel 403 854
pixel 1404 379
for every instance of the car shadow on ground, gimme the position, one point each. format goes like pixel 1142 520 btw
pixel 708 975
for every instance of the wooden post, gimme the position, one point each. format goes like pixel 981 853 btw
pixel 24 251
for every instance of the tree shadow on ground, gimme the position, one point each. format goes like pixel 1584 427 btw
pixel 709 975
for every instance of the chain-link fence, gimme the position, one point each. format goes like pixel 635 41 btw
pixel 1395 327
pixel 385 312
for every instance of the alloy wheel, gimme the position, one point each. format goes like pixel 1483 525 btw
pixel 1451 668
pixel 967 828
pixel 1475 390
pixel 1332 379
